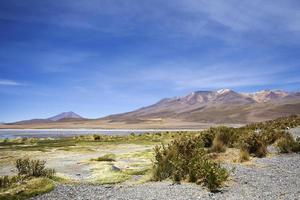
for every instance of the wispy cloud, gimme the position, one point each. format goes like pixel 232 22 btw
pixel 5 82
pixel 197 18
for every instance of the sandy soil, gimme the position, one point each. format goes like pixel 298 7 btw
pixel 75 163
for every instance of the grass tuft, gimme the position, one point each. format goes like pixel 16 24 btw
pixel 105 158
pixel 244 156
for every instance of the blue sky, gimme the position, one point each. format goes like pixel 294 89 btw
pixel 99 57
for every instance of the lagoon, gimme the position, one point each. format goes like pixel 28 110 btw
pixel 59 133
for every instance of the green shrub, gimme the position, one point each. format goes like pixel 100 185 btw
pixel 282 123
pixel 296 146
pixel 227 135
pixel 269 136
pixel 213 174
pixel 207 137
pixel 253 144
pixel 33 168
pixel 97 137
pixel 186 159
pixel 287 144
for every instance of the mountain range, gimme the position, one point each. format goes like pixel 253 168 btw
pixel 199 107
pixel 222 106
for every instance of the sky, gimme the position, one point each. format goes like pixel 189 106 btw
pixel 99 57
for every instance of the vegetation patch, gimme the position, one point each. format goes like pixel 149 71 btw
pixel 137 171
pixel 106 157
pixel 186 160
pixel 33 168
pixel 110 176
pixel 32 179
pixel 27 189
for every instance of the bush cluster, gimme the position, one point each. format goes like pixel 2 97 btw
pixel 253 144
pixel 282 123
pixel 253 138
pixel 287 144
pixel 33 168
pixel 186 159
pixel 26 170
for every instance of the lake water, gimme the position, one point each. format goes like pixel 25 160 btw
pixel 56 133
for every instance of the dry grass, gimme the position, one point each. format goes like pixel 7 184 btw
pixel 244 156
pixel 218 146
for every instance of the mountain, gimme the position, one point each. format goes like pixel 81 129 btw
pixel 222 106
pixel 268 95
pixel 65 116
pixel 195 110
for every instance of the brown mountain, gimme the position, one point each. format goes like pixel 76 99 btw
pixel 222 106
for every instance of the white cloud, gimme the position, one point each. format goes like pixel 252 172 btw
pixel 4 82
pixel 173 17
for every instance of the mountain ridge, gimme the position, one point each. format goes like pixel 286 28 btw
pixel 197 105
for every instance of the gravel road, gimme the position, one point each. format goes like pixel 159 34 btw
pixel 275 177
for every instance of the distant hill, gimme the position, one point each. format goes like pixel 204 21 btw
pixel 65 116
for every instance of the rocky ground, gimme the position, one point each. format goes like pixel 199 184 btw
pixel 276 177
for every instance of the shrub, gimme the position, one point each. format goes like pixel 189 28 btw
pixel 33 168
pixel 97 137
pixel 213 174
pixel 282 123
pixel 186 159
pixel 287 144
pixel 227 135
pixel 218 146
pixel 244 156
pixel 296 147
pixel 207 137
pixel 269 136
pixel 253 144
